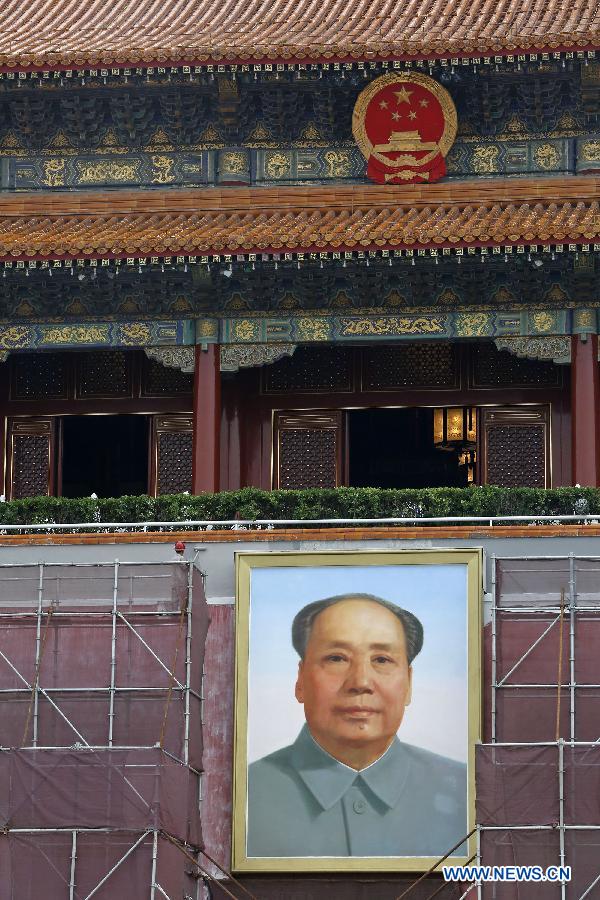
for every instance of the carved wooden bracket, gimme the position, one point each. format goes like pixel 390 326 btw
pixel 173 357
pixel 554 347
pixel 233 356
pixel 243 356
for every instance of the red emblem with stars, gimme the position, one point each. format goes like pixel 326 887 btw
pixel 404 125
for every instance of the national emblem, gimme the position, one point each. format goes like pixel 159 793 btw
pixel 404 125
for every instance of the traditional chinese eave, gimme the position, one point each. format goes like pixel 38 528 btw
pixel 444 217
pixel 55 34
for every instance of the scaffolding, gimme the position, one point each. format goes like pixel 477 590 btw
pixel 538 772
pixel 100 734
pixel 101 737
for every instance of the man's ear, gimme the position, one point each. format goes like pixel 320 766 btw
pixel 299 691
pixel 409 690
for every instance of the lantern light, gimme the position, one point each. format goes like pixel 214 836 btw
pixel 455 430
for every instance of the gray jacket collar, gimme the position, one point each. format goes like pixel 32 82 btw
pixel 328 780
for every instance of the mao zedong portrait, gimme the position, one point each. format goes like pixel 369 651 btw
pixel 348 786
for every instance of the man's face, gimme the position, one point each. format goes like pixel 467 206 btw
pixel 354 680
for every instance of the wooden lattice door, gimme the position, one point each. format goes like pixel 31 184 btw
pixel 31 456
pixel 308 450
pixel 171 458
pixel 515 446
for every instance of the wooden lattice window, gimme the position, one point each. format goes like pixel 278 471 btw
pixel 172 454
pixel 39 376
pixel 31 450
pixel 164 381
pixel 104 373
pixel 410 365
pixel 312 369
pixel 498 368
pixel 308 450
pixel 516 446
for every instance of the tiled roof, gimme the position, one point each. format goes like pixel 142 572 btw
pixel 159 223
pixel 84 33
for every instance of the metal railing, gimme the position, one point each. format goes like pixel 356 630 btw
pixel 273 523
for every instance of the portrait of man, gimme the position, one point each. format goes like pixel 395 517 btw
pixel 357 709
pixel 348 786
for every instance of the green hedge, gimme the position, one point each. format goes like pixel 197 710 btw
pixel 341 503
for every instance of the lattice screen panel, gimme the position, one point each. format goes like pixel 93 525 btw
pixel 173 448
pixel 309 450
pixel 104 373
pixel 164 381
pixel 498 368
pixel 38 376
pixel 516 447
pixel 416 365
pixel 311 369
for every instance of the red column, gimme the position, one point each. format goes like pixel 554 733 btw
pixel 207 420
pixel 585 410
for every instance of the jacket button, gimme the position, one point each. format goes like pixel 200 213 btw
pixel 359 806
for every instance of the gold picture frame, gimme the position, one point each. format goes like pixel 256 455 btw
pixel 261 579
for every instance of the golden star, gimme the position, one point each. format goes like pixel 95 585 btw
pixel 383 104
pixel 423 102
pixel 412 115
pixel 403 95
pixel 396 116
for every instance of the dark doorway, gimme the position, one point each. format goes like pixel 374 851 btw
pixel 393 448
pixel 104 455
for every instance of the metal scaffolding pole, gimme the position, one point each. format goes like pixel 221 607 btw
pixel 478 859
pixel 113 655
pixel 561 810
pixel 188 666
pixel 38 637
pixel 572 618
pixel 589 889
pixel 163 665
pixel 476 884
pixel 494 648
pixel 154 864
pixel 529 650
pixel 73 862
